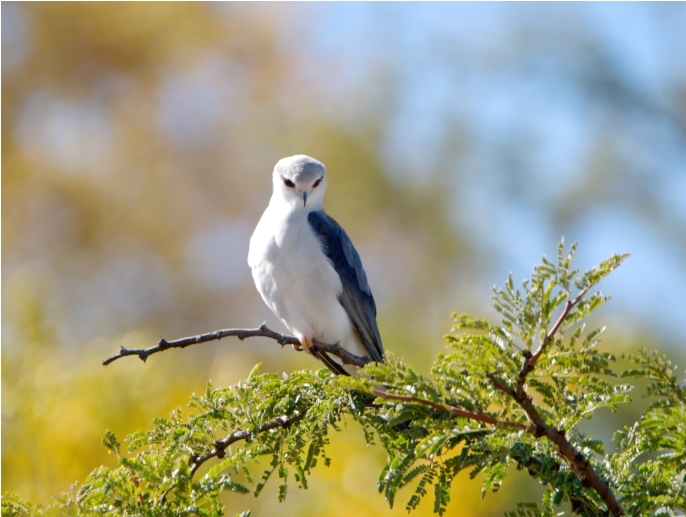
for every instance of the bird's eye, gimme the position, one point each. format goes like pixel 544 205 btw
pixel 316 183
pixel 288 183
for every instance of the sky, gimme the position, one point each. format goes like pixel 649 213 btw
pixel 645 43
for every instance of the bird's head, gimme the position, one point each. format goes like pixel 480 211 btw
pixel 300 181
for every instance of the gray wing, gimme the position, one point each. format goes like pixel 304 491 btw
pixel 356 298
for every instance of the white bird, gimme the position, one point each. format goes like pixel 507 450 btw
pixel 307 269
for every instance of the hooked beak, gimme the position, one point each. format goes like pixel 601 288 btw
pixel 303 196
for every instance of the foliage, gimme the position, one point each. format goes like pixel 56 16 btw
pixel 468 416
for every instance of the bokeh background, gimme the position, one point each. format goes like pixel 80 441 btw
pixel 462 142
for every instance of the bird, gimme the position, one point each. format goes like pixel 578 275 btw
pixel 307 270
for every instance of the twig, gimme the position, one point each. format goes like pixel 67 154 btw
pixel 283 422
pixel 342 353
pixel 479 417
pixel 530 359
pixel 282 339
pixel 220 446
pixel 574 458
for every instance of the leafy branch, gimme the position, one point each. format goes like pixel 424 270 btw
pixel 471 415
pixel 220 446
pixel 507 394
pixel 576 460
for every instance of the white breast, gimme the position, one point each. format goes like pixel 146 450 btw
pixel 297 281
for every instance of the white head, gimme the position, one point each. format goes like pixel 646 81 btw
pixel 300 181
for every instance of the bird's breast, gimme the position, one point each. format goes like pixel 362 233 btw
pixel 295 278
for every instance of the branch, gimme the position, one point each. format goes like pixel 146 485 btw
pixel 530 359
pixel 342 353
pixel 283 422
pixel 220 446
pixel 575 459
pixel 282 339
pixel 479 417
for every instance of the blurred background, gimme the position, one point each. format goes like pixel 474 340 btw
pixel 462 142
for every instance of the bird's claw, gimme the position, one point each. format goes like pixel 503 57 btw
pixel 305 344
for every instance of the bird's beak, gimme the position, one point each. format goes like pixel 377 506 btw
pixel 303 196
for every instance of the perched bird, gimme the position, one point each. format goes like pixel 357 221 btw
pixel 307 270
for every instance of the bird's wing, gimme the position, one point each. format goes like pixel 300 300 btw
pixel 356 298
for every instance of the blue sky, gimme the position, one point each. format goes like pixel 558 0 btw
pixel 440 55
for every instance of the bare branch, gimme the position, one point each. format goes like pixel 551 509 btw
pixel 342 353
pixel 472 415
pixel 282 339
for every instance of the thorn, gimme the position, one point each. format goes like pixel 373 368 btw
pixel 263 327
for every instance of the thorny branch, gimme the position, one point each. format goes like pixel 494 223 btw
pixel 574 458
pixel 262 331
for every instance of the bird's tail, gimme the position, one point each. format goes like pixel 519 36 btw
pixel 329 362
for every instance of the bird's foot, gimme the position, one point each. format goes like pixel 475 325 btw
pixel 306 344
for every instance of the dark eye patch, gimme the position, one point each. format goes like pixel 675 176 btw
pixel 288 183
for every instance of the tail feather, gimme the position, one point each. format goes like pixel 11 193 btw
pixel 329 362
